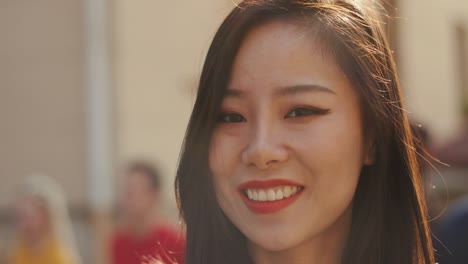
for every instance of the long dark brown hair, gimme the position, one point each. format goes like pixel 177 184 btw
pixel 389 222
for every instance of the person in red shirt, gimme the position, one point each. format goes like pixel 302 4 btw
pixel 143 236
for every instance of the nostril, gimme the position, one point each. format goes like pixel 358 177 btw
pixel 264 150
pixel 263 158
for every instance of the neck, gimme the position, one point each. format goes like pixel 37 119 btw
pixel 326 247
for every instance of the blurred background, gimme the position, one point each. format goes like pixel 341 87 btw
pixel 88 85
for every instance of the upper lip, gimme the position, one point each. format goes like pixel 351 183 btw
pixel 256 184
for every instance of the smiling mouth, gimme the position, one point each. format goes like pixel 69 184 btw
pixel 271 194
pixel 265 197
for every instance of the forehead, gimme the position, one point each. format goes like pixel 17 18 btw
pixel 280 52
pixel 137 178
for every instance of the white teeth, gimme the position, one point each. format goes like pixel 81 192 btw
pixel 273 194
pixel 294 190
pixel 254 195
pixel 262 195
pixel 279 194
pixel 287 191
pixel 250 194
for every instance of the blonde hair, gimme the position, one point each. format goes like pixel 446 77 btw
pixel 49 193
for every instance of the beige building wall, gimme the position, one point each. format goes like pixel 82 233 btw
pixel 159 51
pixel 42 107
pixel 428 60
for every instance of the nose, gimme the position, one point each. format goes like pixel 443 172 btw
pixel 265 149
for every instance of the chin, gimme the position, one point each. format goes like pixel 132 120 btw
pixel 272 240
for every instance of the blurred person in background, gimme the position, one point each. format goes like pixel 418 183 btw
pixel 453 235
pixel 143 234
pixel 44 229
pixel 452 228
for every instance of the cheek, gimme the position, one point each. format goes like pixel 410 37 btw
pixel 334 153
pixel 37 220
pixel 224 153
pixel 335 140
pixel 224 161
pixel 215 151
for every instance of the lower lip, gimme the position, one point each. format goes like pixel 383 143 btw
pixel 269 207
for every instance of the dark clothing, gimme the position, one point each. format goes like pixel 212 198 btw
pixel 453 233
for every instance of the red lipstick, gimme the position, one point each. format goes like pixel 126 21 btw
pixel 268 207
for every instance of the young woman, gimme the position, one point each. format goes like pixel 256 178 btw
pixel 299 149
pixel 44 228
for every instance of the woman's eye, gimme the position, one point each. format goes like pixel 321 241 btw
pixel 306 111
pixel 231 118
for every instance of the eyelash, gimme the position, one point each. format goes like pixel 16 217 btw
pixel 306 111
pixel 223 118
pixel 294 113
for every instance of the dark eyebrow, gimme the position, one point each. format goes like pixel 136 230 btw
pixel 289 90
pixel 303 88
pixel 230 92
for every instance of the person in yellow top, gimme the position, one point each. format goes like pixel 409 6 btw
pixel 44 234
pixel 48 252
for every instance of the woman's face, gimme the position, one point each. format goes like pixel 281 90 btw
pixel 32 218
pixel 288 149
